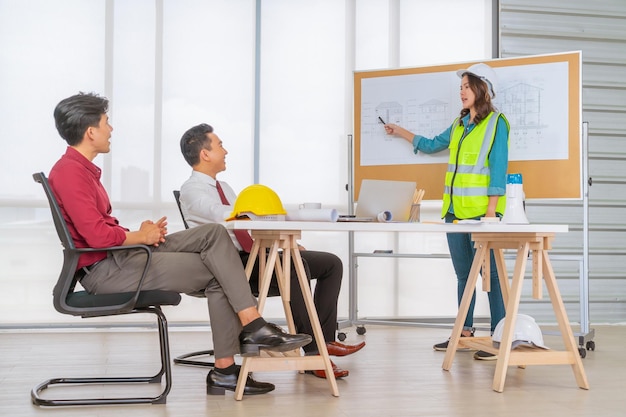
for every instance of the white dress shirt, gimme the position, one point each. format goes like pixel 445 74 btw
pixel 200 202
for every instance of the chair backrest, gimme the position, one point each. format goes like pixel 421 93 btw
pixel 177 198
pixel 81 303
pixel 57 215
pixel 66 283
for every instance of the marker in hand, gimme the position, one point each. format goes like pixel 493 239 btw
pixel 381 120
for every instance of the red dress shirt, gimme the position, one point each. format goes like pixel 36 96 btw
pixel 75 182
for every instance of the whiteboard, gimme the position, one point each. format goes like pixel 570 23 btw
pixel 539 95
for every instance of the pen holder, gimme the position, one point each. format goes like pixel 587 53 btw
pixel 415 213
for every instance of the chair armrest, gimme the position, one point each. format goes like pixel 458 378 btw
pixel 132 302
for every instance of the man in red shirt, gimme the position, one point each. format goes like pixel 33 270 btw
pixel 198 260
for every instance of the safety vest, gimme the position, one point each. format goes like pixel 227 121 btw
pixel 467 177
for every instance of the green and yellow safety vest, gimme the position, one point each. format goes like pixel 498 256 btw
pixel 467 177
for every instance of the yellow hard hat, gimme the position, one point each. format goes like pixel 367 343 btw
pixel 258 201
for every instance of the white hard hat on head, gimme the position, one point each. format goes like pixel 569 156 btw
pixel 483 72
pixel 527 333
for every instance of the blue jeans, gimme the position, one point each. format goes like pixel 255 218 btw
pixel 462 252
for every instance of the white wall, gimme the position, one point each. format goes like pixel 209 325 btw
pixel 170 64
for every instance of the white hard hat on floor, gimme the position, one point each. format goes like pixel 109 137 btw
pixel 527 333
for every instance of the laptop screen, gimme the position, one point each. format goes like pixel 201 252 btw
pixel 376 196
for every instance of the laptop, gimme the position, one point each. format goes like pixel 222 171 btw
pixel 377 196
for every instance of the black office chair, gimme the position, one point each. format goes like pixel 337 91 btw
pixel 80 303
pixel 180 209
pixel 184 359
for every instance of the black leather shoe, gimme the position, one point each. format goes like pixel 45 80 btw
pixel 271 337
pixel 217 383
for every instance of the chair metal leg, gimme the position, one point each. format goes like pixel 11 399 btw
pixel 184 359
pixel 159 399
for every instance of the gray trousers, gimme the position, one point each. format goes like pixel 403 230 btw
pixel 198 261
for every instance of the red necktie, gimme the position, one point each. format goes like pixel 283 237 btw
pixel 243 237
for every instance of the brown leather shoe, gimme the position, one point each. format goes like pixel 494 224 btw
pixel 339 349
pixel 321 373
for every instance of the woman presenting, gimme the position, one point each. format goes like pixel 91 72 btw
pixel 475 182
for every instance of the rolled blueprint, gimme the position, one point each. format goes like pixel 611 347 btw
pixel 313 215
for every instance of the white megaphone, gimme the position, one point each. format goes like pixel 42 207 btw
pixel 514 212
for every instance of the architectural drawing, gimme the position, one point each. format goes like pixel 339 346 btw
pixel 534 98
